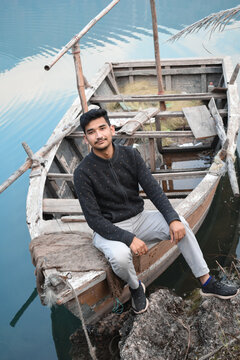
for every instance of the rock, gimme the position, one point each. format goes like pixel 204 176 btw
pixel 173 328
pixel 104 336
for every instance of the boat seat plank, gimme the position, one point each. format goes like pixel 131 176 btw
pixel 200 121
pixel 168 71
pixel 72 206
pixel 169 62
pixel 61 206
pixel 144 134
pixel 171 175
pixel 150 98
pixel 131 114
pixel 73 218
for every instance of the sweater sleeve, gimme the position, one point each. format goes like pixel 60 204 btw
pixel 92 212
pixel 154 190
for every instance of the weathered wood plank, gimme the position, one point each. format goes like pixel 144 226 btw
pixel 159 176
pixel 204 79
pixel 234 74
pixel 131 114
pixel 180 175
pixel 233 123
pixel 169 71
pixel 63 166
pixel 200 121
pixel 152 154
pixel 75 148
pixel 168 80
pixel 134 124
pixel 113 85
pixel 169 62
pixel 61 206
pixel 157 98
pixel 218 121
pixel 145 134
pixel 73 218
pixel 52 188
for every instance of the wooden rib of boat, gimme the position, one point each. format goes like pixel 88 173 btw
pixel 188 167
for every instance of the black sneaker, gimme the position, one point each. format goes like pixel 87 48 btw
pixel 218 289
pixel 139 301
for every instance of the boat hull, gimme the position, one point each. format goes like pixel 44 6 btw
pixel 51 204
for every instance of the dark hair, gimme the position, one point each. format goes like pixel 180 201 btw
pixel 92 115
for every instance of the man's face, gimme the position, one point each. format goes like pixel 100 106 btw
pixel 99 134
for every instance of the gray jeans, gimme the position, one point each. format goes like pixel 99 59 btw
pixel 149 226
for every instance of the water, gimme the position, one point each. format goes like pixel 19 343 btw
pixel 31 103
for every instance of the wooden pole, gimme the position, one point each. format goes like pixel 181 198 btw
pixel 79 76
pixel 159 70
pixel 40 153
pixel 157 51
pixel 77 37
pixel 16 175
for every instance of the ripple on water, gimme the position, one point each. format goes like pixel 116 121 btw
pixel 7 60
pixel 28 85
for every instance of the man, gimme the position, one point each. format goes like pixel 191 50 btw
pixel 107 185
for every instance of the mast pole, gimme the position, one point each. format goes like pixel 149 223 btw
pixel 162 104
pixel 79 76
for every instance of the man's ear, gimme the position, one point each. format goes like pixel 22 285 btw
pixel 86 140
pixel 112 129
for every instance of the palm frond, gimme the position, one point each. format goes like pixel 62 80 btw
pixel 216 21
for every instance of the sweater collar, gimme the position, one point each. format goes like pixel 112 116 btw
pixel 106 161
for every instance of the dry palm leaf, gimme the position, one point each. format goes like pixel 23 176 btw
pixel 216 21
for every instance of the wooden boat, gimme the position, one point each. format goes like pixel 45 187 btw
pixel 208 138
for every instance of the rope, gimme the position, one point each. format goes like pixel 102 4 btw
pixel 133 120
pixel 92 350
pixel 118 307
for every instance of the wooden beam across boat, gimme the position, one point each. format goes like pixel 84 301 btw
pixel 170 62
pixel 171 175
pixel 169 71
pixel 144 134
pixel 165 114
pixel 156 98
pixel 158 176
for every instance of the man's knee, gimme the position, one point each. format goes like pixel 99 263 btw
pixel 120 258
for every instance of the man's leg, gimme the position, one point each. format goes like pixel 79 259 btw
pixel 120 258
pixel 152 225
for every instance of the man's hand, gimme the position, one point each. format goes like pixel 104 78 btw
pixel 177 231
pixel 138 246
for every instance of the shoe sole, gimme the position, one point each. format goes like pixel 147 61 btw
pixel 147 303
pixel 143 310
pixel 218 296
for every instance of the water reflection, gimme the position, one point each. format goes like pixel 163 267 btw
pixel 33 101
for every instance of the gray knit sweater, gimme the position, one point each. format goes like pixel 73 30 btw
pixel 108 191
